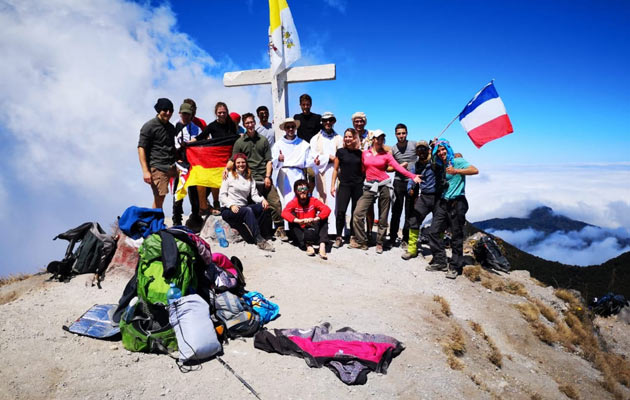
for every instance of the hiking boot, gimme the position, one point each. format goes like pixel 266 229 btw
pixel 452 273
pixel 379 249
pixel 265 245
pixel 408 255
pixel 281 234
pixel 338 243
pixel 436 267
pixel 310 251
pixel 403 245
pixel 356 245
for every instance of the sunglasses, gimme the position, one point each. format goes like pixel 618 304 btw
pixel 302 189
pixel 289 127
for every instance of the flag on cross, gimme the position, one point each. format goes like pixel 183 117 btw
pixel 284 43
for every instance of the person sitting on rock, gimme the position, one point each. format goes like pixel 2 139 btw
pixel 308 220
pixel 249 219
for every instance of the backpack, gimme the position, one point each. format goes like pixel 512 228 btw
pixel 137 222
pixel 146 328
pixel 163 259
pixel 267 310
pixel 609 304
pixel 93 255
pixel 488 253
pixel 235 317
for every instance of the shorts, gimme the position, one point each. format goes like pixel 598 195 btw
pixel 160 180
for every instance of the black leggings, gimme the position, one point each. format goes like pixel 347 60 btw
pixel 345 193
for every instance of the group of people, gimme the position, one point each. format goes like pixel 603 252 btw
pixel 308 176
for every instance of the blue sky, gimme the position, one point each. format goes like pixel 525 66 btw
pixel 80 78
pixel 560 66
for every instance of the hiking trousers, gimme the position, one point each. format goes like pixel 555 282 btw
pixel 367 200
pixel 402 200
pixel 448 214
pixel 423 206
pixel 250 221
pixel 271 195
pixel 313 234
pixel 346 193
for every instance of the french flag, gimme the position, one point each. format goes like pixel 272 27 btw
pixel 484 118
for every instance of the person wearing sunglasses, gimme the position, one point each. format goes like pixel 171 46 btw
pixel 308 220
pixel 156 151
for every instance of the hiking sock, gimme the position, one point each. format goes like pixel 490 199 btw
pixel 412 244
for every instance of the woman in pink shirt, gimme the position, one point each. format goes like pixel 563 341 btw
pixel 377 185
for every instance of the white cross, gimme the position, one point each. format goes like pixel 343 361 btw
pixel 279 84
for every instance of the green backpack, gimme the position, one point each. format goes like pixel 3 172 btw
pixel 147 329
pixel 152 286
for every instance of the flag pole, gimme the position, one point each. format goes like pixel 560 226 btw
pixel 449 124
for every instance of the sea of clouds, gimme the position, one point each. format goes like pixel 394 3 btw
pixel 592 193
pixel 78 80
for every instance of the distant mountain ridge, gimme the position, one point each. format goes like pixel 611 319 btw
pixel 542 219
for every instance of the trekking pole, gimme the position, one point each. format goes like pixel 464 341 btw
pixel 247 385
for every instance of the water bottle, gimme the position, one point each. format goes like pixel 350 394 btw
pixel 218 229
pixel 173 293
pixel 129 310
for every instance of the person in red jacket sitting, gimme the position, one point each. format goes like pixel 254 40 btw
pixel 308 220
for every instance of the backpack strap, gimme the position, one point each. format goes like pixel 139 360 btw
pixel 170 254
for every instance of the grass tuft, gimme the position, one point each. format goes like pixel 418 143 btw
pixel 569 391
pixel 472 272
pixel 529 311
pixel 7 280
pixel 495 356
pixel 444 306
pixel 547 312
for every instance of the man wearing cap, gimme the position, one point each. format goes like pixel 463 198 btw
pixel 324 146
pixel 186 131
pixel 156 151
pixel 424 195
pixel 265 128
pixel 404 153
pixel 256 148
pixel 291 156
pixel 359 120
pixel 196 120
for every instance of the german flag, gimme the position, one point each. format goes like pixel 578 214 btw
pixel 208 159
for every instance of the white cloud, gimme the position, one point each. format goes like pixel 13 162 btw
pixel 589 246
pixel 339 5
pixel 593 193
pixel 78 80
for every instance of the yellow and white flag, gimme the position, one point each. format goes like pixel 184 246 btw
pixel 284 44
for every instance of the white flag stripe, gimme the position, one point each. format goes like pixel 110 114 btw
pixel 485 112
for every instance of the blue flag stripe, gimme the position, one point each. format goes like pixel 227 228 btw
pixel 487 93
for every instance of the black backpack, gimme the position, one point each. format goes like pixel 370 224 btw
pixel 93 255
pixel 609 304
pixel 488 254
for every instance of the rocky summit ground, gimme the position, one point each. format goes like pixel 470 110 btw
pixel 477 338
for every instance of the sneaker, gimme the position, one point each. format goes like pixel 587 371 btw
pixel 310 251
pixel 281 234
pixel 265 245
pixel 452 273
pixel 379 249
pixel 436 267
pixel 408 256
pixel 338 243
